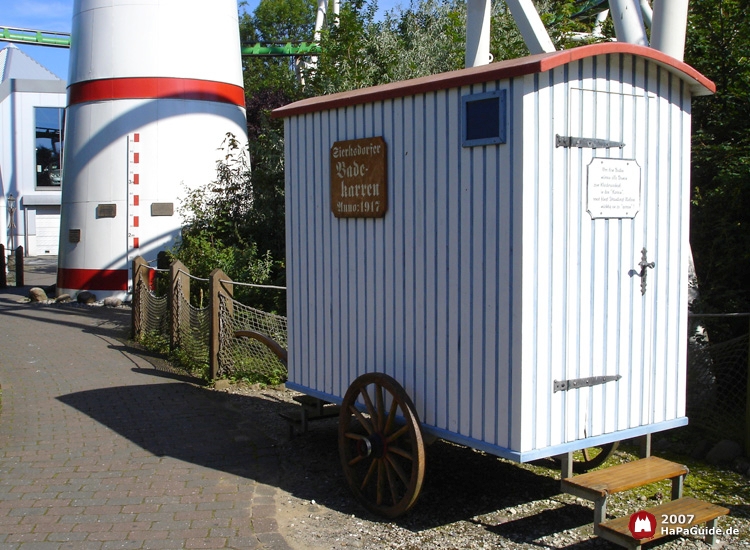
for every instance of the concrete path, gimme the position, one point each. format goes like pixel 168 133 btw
pixel 99 449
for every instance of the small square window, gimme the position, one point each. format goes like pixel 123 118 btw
pixel 484 119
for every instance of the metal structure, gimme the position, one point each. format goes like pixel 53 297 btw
pixel 41 38
pixel 62 40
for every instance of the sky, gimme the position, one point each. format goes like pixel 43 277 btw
pixel 56 15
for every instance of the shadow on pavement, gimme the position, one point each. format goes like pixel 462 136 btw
pixel 237 434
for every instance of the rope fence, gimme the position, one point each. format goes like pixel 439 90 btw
pixel 202 338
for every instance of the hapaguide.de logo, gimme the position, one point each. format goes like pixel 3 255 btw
pixel 642 525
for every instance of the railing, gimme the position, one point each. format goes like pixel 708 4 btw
pixel 205 337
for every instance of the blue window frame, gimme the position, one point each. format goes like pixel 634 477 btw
pixel 484 118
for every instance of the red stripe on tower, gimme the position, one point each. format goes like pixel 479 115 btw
pixel 155 88
pixel 93 279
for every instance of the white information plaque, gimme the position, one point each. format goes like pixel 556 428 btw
pixel 614 188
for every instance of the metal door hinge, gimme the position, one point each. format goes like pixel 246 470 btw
pixel 589 143
pixel 565 385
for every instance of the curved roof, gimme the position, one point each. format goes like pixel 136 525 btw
pixel 698 84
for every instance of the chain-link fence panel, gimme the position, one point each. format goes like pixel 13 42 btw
pixel 717 376
pixel 248 358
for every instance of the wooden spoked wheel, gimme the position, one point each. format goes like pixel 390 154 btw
pixel 592 457
pixel 381 446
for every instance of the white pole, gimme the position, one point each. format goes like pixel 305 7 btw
pixel 320 18
pixel 647 13
pixel 626 15
pixel 530 26
pixel 477 33
pixel 669 26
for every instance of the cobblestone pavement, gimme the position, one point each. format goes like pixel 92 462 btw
pixel 99 450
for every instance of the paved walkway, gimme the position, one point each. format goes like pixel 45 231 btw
pixel 99 449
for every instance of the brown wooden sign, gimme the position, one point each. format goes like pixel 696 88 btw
pixel 359 178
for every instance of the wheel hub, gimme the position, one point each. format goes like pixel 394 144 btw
pixel 373 446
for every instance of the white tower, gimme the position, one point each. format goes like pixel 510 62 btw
pixel 149 106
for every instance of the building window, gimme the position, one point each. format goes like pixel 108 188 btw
pixel 49 144
pixel 484 118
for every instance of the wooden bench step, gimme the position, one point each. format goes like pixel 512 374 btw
pixel 307 400
pixel 600 483
pixel 311 409
pixel 618 530
pixel 312 404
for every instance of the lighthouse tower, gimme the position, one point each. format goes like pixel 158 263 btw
pixel 149 106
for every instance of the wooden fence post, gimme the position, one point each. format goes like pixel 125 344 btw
pixel 140 277
pixel 216 289
pixel 179 291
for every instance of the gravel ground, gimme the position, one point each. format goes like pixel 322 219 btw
pixel 469 499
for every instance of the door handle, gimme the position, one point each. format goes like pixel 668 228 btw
pixel 645 264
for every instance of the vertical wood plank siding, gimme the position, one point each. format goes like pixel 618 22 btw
pixel 584 309
pixel 487 279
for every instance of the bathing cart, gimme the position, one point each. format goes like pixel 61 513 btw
pixel 495 256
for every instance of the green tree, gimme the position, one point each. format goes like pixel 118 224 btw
pixel 215 233
pixel 274 22
pixel 718 45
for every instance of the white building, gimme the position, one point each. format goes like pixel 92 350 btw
pixel 32 106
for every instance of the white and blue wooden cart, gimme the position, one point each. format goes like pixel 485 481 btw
pixel 495 256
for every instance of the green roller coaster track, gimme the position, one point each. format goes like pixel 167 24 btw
pixel 42 38
pixel 62 40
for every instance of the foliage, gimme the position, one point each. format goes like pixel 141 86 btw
pixel 426 38
pixel 718 45
pixel 266 137
pixel 275 21
pixel 216 235
pixel 179 357
pixel 251 370
pixel 154 341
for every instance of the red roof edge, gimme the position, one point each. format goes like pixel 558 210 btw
pixel 698 84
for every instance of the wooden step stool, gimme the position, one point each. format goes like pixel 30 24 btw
pixel 618 530
pixel 312 409
pixel 598 485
